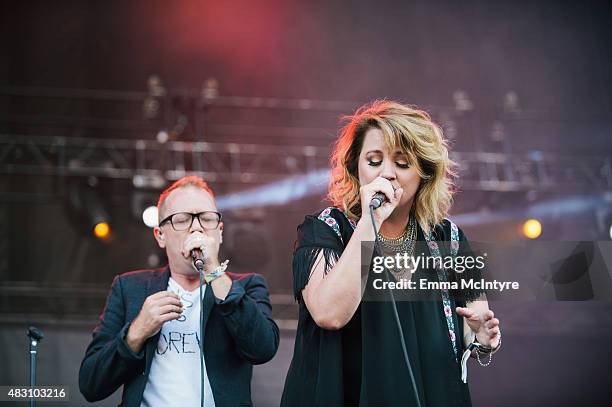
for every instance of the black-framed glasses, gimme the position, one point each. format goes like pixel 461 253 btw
pixel 180 221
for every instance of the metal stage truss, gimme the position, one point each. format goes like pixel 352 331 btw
pixel 260 150
pixel 146 162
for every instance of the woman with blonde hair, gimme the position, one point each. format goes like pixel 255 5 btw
pixel 350 351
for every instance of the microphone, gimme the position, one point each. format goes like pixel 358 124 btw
pixel 378 199
pixel 198 259
pixel 35 334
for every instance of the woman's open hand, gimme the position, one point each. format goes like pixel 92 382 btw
pixel 485 325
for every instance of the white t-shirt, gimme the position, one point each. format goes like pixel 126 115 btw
pixel 174 379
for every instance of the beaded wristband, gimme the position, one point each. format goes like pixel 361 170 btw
pixel 216 273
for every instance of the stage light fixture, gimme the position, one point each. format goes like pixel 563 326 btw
pixel 532 228
pixel 102 230
pixel 162 136
pixel 87 208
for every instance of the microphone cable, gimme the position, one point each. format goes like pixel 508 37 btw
pixel 199 266
pixel 396 315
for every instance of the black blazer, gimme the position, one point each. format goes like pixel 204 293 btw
pixel 238 333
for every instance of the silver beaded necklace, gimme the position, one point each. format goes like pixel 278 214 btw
pixel 402 244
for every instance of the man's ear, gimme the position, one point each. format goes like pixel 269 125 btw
pixel 158 233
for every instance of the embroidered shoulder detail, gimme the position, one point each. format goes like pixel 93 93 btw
pixel 329 220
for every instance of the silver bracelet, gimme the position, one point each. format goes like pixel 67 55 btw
pixel 485 350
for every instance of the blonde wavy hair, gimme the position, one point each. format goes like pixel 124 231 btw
pixel 414 132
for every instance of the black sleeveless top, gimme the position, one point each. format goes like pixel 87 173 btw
pixel 362 364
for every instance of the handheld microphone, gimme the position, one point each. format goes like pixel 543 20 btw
pixel 198 259
pixel 377 200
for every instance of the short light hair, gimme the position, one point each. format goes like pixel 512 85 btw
pixel 414 132
pixel 188 181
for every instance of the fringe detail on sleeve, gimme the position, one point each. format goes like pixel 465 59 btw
pixel 303 261
pixel 469 274
pixel 467 295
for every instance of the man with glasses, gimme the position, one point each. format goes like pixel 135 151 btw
pixel 163 345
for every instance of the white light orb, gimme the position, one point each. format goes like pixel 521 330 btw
pixel 149 216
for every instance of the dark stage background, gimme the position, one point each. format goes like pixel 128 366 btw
pixel 103 104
